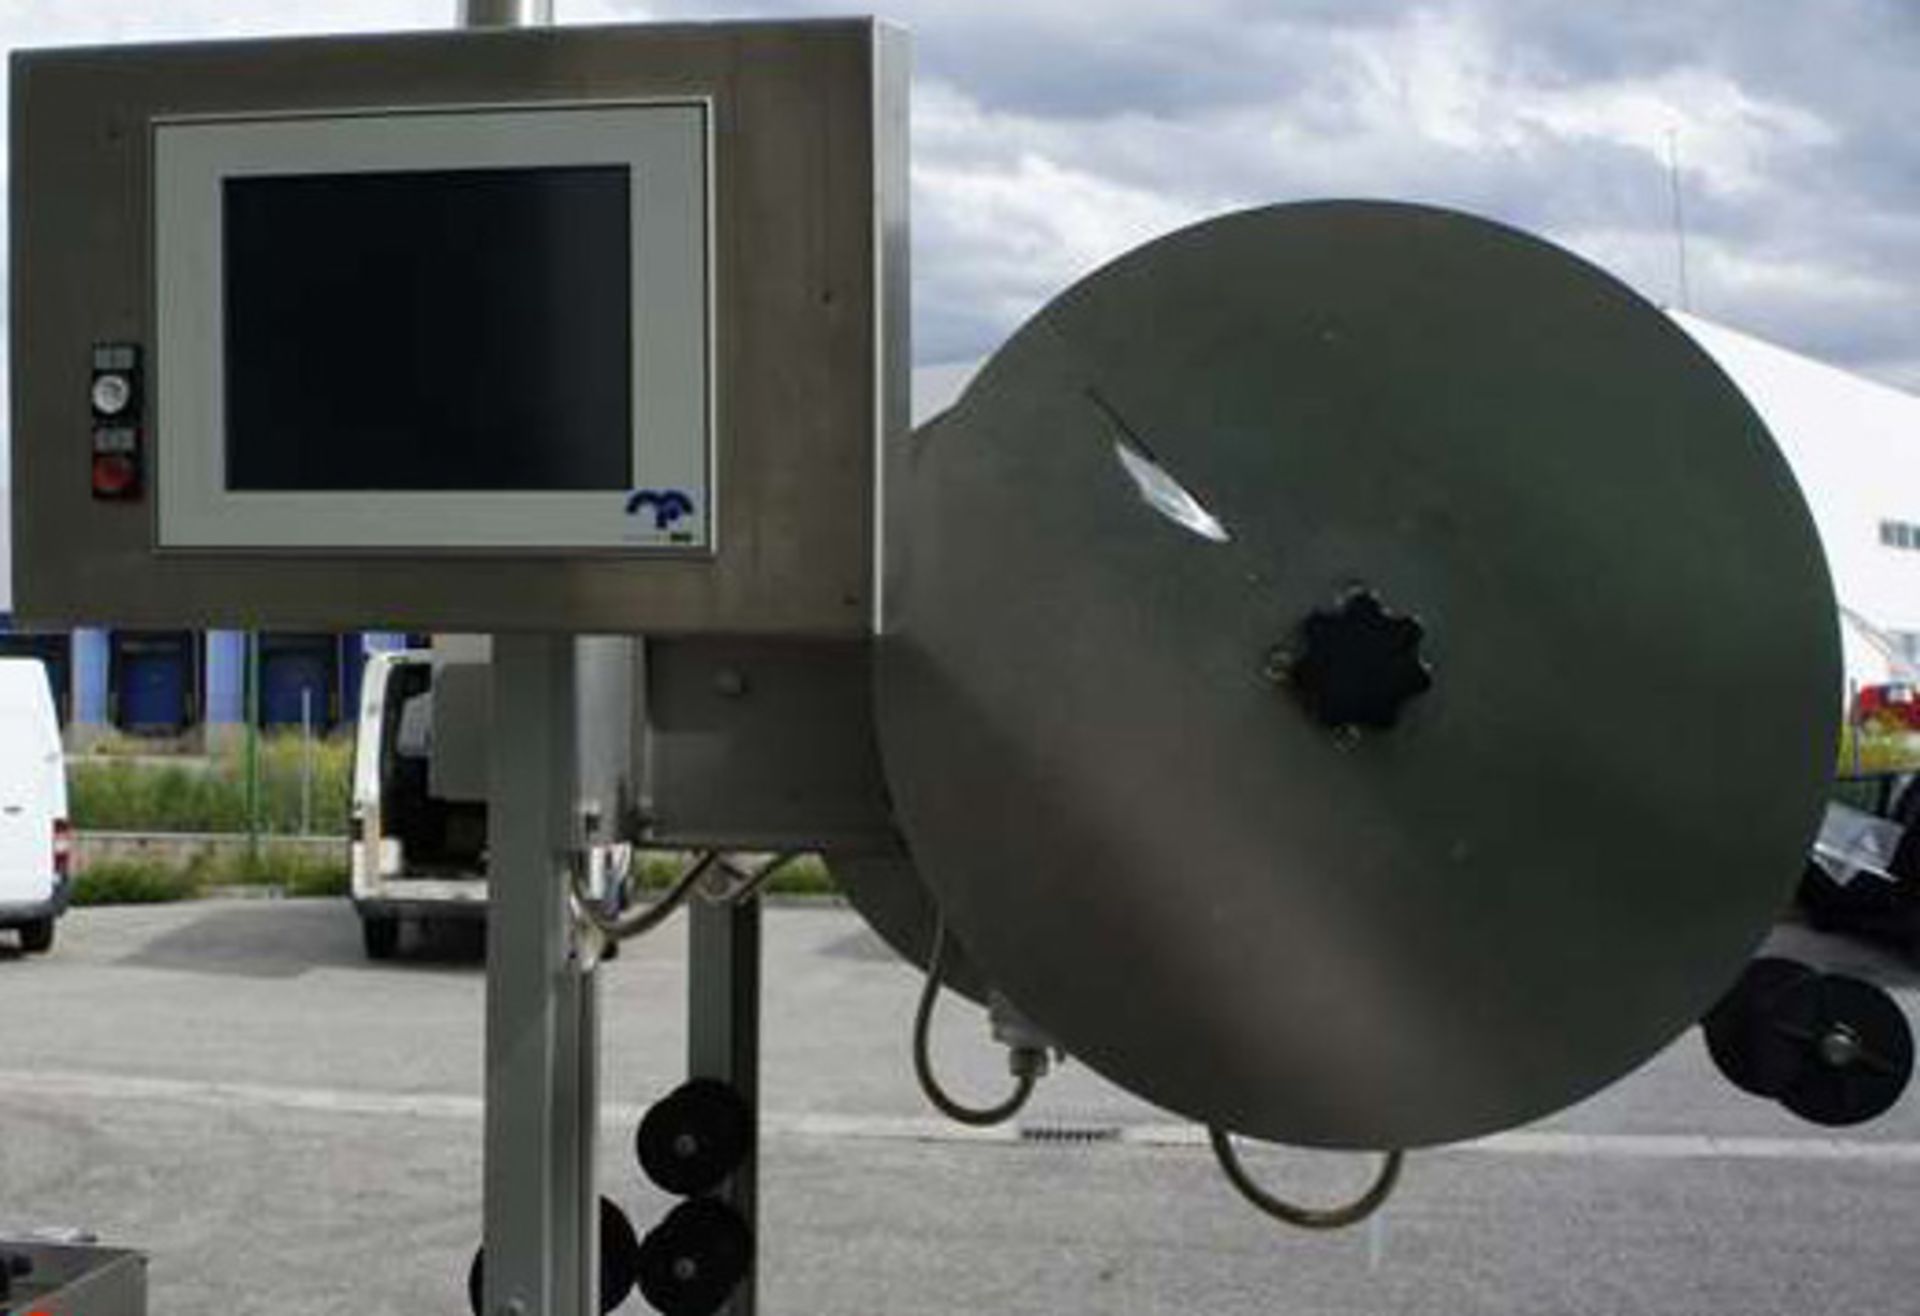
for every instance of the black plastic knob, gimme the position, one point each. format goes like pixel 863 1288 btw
pixel 1355 666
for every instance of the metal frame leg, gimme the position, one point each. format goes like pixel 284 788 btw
pixel 723 1041
pixel 541 1096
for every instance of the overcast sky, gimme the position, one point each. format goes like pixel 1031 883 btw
pixel 1052 135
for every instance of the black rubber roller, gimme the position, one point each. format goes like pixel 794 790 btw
pixel 695 1137
pixel 619 1262
pixel 1742 1036
pixel 692 1261
pixel 1859 1050
pixel 1832 1049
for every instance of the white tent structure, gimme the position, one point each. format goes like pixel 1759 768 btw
pixel 1854 446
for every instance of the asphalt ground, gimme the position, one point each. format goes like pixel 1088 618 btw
pixel 288 1129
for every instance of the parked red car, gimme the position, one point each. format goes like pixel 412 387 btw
pixel 1897 702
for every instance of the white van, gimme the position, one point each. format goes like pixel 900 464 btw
pixel 419 795
pixel 420 778
pixel 35 842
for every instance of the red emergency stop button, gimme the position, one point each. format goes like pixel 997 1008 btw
pixel 115 475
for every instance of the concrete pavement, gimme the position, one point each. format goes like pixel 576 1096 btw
pixel 289 1129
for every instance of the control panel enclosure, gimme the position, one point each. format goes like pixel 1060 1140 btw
pixel 567 329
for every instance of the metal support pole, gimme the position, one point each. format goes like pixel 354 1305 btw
pixel 543 1039
pixel 506 13
pixel 723 1040
pixel 306 760
pixel 542 1081
pixel 252 701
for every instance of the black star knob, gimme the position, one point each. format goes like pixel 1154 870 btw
pixel 1355 666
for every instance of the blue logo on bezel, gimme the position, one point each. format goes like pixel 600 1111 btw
pixel 669 505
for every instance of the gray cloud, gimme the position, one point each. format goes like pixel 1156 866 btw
pixel 1051 135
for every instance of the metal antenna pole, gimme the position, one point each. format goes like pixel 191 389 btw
pixel 1679 217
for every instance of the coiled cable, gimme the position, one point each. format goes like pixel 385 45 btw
pixel 1292 1213
pixel 641 919
pixel 943 1101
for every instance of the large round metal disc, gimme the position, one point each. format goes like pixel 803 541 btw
pixel 1093 702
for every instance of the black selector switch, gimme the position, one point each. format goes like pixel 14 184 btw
pixel 114 398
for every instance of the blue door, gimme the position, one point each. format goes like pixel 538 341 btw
pixel 287 672
pixel 151 678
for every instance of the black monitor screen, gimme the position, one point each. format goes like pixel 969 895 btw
pixel 445 330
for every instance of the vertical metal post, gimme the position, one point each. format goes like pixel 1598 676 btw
pixel 253 750
pixel 723 1040
pixel 306 760
pixel 543 1080
pixel 542 1085
pixel 543 1022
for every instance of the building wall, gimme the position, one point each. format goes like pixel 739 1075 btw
pixel 107 682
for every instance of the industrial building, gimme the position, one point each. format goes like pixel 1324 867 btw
pixel 172 686
pixel 178 688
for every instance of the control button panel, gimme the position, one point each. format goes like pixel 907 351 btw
pixel 115 403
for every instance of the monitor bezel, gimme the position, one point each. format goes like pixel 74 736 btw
pixel 665 144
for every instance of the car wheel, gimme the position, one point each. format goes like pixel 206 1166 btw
pixel 36 938
pixel 381 936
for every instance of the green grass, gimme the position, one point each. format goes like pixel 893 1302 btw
pixel 131 882
pixel 114 793
pixel 1878 747
pixel 109 793
pixel 152 881
pixel 296 872
pixel 302 874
